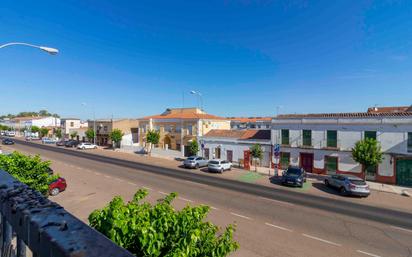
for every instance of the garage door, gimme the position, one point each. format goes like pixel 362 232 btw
pixel 404 172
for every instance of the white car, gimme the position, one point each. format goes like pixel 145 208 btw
pixel 84 146
pixel 10 133
pixel 219 165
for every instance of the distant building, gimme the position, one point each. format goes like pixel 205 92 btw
pixel 20 123
pixel 72 124
pixel 104 127
pixel 180 123
pixel 322 143
pixel 240 123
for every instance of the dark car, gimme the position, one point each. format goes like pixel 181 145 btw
pixel 294 176
pixel 61 143
pixel 8 141
pixel 57 186
pixel 71 143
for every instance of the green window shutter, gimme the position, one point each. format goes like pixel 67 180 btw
pixel 307 137
pixel 331 164
pixel 332 138
pixel 370 134
pixel 410 142
pixel 284 160
pixel 285 136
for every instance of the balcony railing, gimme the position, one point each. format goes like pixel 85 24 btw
pixel 29 221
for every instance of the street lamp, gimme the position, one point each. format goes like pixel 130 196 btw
pixel 50 50
pixel 200 98
pixel 94 124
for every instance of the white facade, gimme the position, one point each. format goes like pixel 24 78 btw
pixel 43 122
pixel 391 132
pixel 70 124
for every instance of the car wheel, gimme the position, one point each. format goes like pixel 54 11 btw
pixel 343 191
pixel 84 148
pixel 54 191
pixel 327 183
pixel 197 166
pixel 95 147
pixel 221 171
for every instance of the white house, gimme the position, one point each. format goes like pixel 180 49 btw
pixel 322 143
pixel 42 122
pixel 250 122
pixel 234 145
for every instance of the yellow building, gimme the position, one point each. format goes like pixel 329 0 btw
pixel 179 125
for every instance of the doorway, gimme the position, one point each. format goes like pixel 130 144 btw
pixel 306 161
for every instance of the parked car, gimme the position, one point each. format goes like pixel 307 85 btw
pixel 61 143
pixel 348 185
pixel 57 186
pixel 86 145
pixel 7 141
pixel 195 162
pixel 294 176
pixel 10 133
pixel 219 165
pixel 72 143
pixel 47 140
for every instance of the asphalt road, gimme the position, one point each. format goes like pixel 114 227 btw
pixel 271 222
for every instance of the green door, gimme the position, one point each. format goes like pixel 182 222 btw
pixel 404 172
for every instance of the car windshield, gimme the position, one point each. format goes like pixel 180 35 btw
pixel 357 182
pixel 292 172
pixel 190 158
pixel 214 162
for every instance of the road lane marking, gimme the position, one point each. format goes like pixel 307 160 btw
pixel 214 208
pixel 241 216
pixel 130 183
pixel 106 176
pixel 403 229
pixel 276 201
pixel 163 193
pixel 186 200
pixel 321 240
pixel 195 183
pixel 279 227
pixel 369 254
pixel 120 180
pixel 97 173
pixel 147 188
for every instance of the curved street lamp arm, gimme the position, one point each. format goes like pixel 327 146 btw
pixel 18 43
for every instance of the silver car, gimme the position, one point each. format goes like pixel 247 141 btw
pixel 348 185
pixel 195 162
pixel 219 165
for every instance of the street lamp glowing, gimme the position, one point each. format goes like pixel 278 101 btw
pixel 50 50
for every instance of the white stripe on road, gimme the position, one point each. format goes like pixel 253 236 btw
pixel 214 208
pixel 130 183
pixel 279 227
pixel 97 173
pixel 321 240
pixel 366 253
pixel 163 193
pixel 403 229
pixel 241 216
pixel 120 180
pixel 277 201
pixel 106 176
pixel 186 200
pixel 195 183
pixel 147 188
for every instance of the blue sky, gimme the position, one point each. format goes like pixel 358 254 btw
pixel 135 58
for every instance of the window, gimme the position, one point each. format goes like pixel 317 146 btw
pixel 105 128
pixel 71 124
pixel 307 137
pixel 252 126
pixel 332 138
pixel 258 126
pixel 370 134
pixel 284 160
pixel 410 142
pixel 190 129
pixel 285 136
pixel 267 126
pixel 331 164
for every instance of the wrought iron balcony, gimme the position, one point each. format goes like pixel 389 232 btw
pixel 29 221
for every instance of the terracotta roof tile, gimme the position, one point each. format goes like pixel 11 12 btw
pixel 389 109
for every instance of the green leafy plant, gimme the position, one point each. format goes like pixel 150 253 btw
pixel 44 132
pixel 152 138
pixel 90 134
pixel 30 170
pixel 58 133
pixel 367 152
pixel 116 136
pixel 256 152
pixel 193 147
pixel 35 129
pixel 4 128
pixel 73 134
pixel 160 230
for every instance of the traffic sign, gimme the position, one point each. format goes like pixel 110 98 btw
pixel 276 148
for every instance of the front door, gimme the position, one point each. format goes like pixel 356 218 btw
pixel 206 153
pixel 370 173
pixel 246 160
pixel 229 155
pixel 306 161
pixel 404 172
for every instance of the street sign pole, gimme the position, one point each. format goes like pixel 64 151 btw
pixel 276 152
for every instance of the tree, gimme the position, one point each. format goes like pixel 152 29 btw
pixel 35 129
pixel 257 153
pixel 160 230
pixel 367 152
pixel 30 170
pixel 58 133
pixel 44 132
pixel 116 136
pixel 152 138
pixel 90 134
pixel 193 147
pixel 73 134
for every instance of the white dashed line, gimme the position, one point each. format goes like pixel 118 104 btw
pixel 277 201
pixel 366 253
pixel 97 173
pixel 279 227
pixel 403 229
pixel 195 183
pixel 214 208
pixel 163 193
pixel 321 240
pixel 241 216
pixel 147 188
pixel 186 200
pixel 130 183
pixel 120 180
pixel 106 176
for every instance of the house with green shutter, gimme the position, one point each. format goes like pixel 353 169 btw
pixel 322 143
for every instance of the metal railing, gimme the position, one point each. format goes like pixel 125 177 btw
pixel 32 223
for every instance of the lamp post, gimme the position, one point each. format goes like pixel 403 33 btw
pixel 94 124
pixel 200 99
pixel 50 50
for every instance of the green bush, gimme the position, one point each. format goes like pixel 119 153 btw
pixel 30 170
pixel 160 230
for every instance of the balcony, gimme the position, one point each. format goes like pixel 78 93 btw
pixel 30 222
